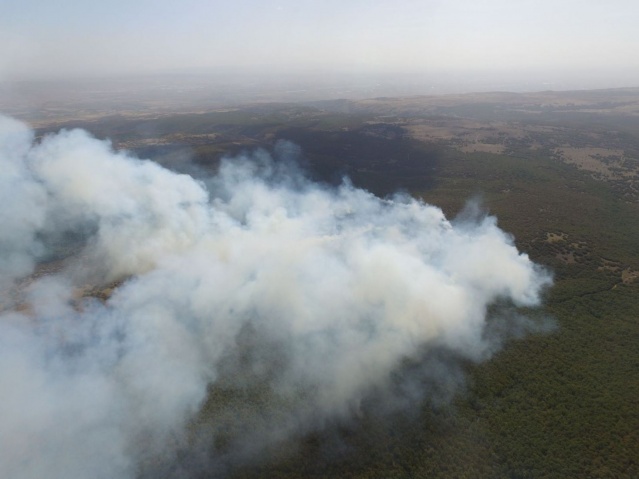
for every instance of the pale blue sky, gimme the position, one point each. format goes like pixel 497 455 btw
pixel 47 38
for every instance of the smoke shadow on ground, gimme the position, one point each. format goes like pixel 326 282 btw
pixel 379 158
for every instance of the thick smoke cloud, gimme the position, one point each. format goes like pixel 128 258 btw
pixel 245 309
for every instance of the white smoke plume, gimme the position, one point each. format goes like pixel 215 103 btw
pixel 253 292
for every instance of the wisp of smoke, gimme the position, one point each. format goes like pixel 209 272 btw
pixel 255 303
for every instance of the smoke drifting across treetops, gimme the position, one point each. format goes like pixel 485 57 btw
pixel 256 279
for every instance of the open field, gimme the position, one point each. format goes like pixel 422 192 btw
pixel 596 131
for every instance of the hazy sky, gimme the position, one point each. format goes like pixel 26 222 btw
pixel 45 38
